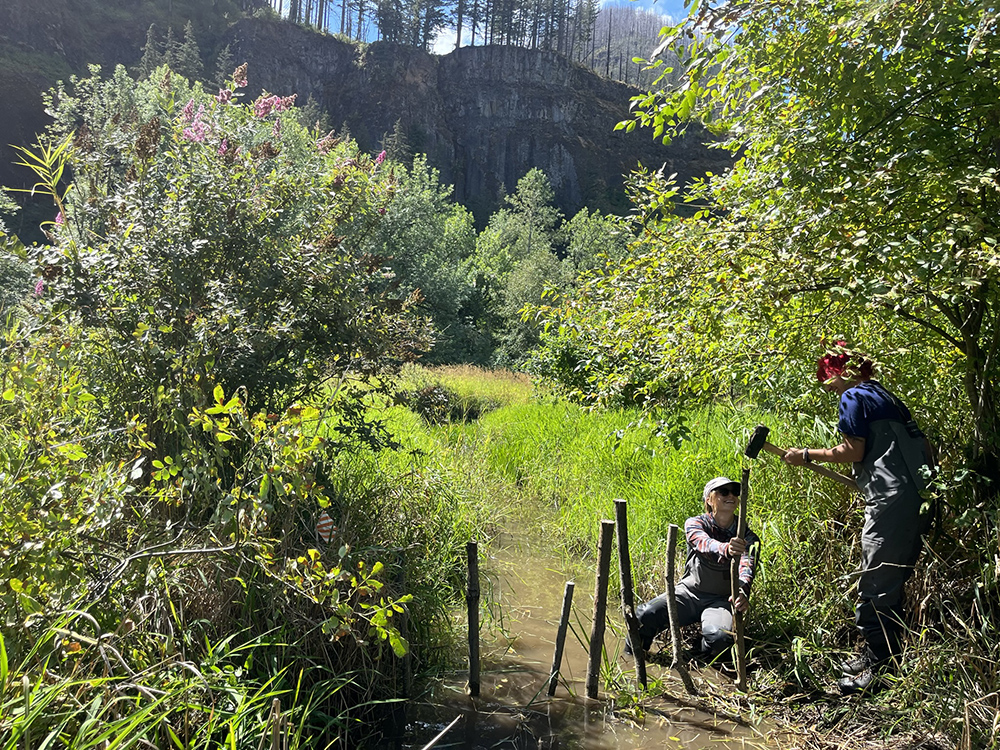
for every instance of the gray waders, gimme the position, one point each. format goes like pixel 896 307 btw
pixel 702 594
pixel 890 481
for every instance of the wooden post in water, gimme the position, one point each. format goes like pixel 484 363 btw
pixel 600 607
pixel 627 594
pixel 561 637
pixel 734 568
pixel 675 627
pixel 472 603
pixel 397 710
pixel 404 628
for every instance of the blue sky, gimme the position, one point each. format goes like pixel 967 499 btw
pixel 445 41
pixel 674 8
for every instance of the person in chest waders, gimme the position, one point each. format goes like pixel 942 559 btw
pixel 892 463
pixel 704 593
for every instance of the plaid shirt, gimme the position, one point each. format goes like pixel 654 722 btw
pixel 706 538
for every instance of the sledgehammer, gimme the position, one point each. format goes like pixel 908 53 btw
pixel 758 440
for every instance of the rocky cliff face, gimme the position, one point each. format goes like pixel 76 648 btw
pixel 484 115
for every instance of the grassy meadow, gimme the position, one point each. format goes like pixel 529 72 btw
pixel 195 643
pixel 559 468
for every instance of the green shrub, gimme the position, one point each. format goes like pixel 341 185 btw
pixel 208 241
pixel 96 533
pixel 170 439
pixel 458 393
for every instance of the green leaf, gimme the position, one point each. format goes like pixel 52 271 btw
pixel 174 738
pixel 3 667
pixel 29 604
pixel 399 645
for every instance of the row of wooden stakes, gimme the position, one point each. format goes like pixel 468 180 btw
pixel 596 643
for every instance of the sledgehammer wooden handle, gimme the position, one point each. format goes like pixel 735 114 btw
pixel 836 476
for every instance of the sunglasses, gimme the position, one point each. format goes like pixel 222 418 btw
pixel 724 491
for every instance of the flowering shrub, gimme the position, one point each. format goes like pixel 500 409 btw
pixel 215 242
pixel 169 438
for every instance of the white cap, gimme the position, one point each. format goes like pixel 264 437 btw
pixel 717 483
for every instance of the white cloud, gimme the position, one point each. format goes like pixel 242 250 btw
pixel 444 42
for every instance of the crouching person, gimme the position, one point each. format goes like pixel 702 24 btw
pixel 705 592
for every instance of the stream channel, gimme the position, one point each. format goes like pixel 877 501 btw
pixel 513 710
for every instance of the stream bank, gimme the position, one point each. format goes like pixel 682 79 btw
pixel 513 709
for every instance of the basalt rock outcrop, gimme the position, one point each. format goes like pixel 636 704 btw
pixel 483 115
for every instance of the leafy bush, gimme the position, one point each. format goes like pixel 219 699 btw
pixel 14 272
pixel 208 241
pixel 188 397
pixel 424 392
pixel 428 241
pixel 92 529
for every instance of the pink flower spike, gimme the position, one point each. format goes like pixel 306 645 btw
pixel 223 147
pixel 39 288
pixel 187 114
pixel 225 96
pixel 59 219
pixel 198 130
pixel 380 158
pixel 263 106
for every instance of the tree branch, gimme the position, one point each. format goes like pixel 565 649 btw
pixel 928 325
pixel 154 551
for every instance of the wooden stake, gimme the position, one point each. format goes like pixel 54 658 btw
pixel 675 627
pixel 600 607
pixel 276 724
pixel 442 733
pixel 740 645
pixel 398 709
pixel 472 603
pixel 567 607
pixel 404 627
pixel 26 691
pixel 627 594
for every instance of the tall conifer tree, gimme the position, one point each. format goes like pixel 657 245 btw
pixel 188 60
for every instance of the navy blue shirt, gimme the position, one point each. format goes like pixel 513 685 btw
pixel 865 403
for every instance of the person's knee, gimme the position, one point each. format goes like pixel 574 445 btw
pixel 716 638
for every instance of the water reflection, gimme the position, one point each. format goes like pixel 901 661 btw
pixel 514 711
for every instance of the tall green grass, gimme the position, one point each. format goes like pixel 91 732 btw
pixel 65 695
pixel 559 468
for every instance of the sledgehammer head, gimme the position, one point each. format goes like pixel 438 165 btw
pixel 757 440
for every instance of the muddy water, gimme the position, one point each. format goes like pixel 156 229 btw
pixel 513 709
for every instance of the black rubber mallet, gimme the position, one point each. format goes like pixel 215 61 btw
pixel 758 441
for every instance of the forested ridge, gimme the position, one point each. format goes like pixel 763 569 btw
pixel 607 38
pixel 39 45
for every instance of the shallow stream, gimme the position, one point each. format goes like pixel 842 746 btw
pixel 513 710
